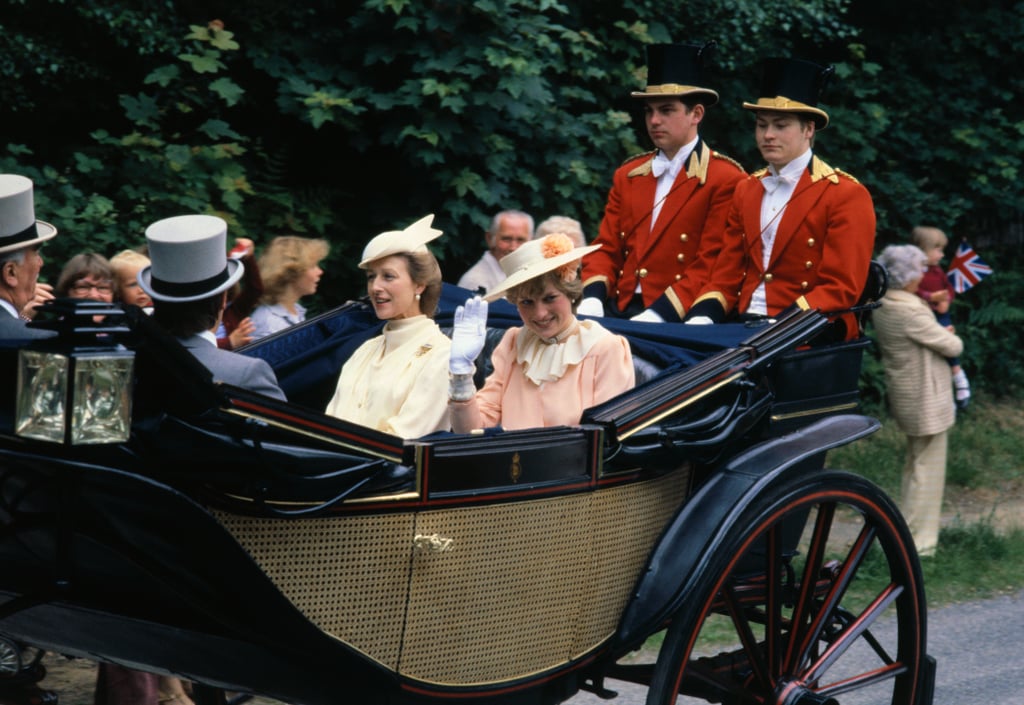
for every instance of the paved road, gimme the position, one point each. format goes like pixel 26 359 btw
pixel 978 646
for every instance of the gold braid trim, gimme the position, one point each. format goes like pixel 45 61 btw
pixel 820 170
pixel 673 299
pixel 719 155
pixel 712 295
pixel 643 169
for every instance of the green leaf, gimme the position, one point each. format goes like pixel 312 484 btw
pixel 141 109
pixel 227 89
pixel 163 76
pixel 218 129
pixel 209 62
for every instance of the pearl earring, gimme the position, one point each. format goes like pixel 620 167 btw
pixel 417 297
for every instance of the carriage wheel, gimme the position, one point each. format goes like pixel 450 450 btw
pixel 842 619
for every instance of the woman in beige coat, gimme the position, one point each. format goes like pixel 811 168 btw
pixel 914 349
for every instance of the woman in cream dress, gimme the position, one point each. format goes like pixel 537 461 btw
pixel 397 382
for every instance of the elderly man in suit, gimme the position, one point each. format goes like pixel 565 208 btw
pixel 188 281
pixel 20 238
pixel 799 232
pixel 662 224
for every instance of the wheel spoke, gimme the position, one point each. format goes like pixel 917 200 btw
pixel 802 611
pixel 850 635
pixel 835 594
pixel 747 639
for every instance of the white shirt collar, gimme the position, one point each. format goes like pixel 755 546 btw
pixel 9 307
pixel 208 336
pixel 795 167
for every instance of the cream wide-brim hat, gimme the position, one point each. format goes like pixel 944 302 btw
pixel 395 242
pixel 528 262
pixel 189 262
pixel 18 225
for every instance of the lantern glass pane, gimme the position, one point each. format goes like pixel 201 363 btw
pixel 42 391
pixel 102 399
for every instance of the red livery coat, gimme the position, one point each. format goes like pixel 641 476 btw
pixel 822 250
pixel 673 262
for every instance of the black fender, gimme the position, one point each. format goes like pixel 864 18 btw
pixel 689 545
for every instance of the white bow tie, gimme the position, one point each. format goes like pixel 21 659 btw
pixel 661 164
pixel 771 183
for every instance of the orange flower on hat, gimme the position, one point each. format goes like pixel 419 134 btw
pixel 559 244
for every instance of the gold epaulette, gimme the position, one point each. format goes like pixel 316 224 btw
pixel 760 173
pixel 645 168
pixel 719 155
pixel 851 177
pixel 820 170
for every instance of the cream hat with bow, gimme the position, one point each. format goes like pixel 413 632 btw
pixel 394 242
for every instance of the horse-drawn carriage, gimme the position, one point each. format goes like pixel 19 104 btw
pixel 152 518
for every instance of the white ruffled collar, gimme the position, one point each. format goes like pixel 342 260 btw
pixel 546 359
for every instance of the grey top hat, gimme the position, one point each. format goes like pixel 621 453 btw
pixel 189 259
pixel 18 225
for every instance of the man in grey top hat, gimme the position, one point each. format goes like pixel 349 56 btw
pixel 20 238
pixel 188 282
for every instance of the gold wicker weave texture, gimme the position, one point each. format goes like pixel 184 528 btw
pixel 520 588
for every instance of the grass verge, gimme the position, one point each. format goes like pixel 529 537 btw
pixel 981 549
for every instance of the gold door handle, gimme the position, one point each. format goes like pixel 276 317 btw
pixel 433 543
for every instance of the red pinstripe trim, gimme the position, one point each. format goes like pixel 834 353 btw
pixel 392 450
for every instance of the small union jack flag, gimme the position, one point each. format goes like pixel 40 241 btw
pixel 966 269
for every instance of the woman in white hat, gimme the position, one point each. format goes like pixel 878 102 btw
pixel 397 382
pixel 553 367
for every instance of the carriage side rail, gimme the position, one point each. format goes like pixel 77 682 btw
pixel 670 393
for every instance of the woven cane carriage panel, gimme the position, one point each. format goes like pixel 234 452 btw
pixel 347 575
pixel 525 587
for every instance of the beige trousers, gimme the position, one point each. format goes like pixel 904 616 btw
pixel 924 480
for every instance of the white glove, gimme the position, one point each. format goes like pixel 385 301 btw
pixel 468 335
pixel 648 316
pixel 591 306
pixel 700 321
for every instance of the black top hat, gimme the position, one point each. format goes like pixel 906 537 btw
pixel 674 70
pixel 793 86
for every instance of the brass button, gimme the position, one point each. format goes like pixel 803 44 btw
pixel 808 264
pixel 626 252
pixel 678 277
pixel 636 272
pixel 810 242
pixel 622 235
pixel 684 237
pixel 768 277
pixel 617 292
pixel 803 285
pixel 643 272
pixel 680 257
pixel 620 272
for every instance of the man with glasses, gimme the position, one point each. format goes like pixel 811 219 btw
pixel 20 238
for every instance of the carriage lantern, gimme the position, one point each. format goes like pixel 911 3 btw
pixel 76 388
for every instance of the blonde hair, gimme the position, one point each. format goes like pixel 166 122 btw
pixel 927 237
pixel 284 261
pixel 562 224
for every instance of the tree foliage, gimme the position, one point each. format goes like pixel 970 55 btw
pixel 343 119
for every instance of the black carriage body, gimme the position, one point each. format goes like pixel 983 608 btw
pixel 260 546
